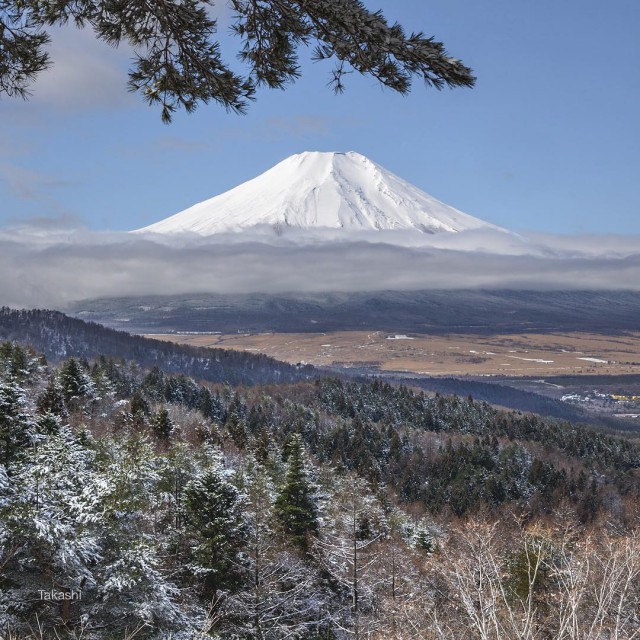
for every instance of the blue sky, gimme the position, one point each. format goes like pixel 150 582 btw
pixel 548 141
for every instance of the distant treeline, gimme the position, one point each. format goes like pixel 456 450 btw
pixel 513 398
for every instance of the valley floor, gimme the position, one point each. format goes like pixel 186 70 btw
pixel 527 354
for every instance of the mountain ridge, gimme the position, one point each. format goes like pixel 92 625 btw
pixel 473 311
pixel 59 336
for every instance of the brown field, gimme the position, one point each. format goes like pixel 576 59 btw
pixel 510 355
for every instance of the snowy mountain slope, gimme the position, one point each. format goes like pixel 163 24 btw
pixel 321 190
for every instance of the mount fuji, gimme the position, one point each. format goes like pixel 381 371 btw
pixel 318 190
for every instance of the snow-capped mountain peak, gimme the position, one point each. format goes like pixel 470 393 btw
pixel 327 190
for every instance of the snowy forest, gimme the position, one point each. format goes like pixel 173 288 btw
pixel 139 503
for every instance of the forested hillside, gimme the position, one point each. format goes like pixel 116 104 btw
pixel 58 336
pixel 501 393
pixel 137 503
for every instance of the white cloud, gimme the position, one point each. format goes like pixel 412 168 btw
pixel 85 73
pixel 27 184
pixel 54 268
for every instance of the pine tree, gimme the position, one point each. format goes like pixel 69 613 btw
pixel 75 383
pixel 213 512
pixel 15 424
pixel 51 400
pixel 296 504
pixel 179 62
pixel 162 425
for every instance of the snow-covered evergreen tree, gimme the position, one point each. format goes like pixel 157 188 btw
pixel 161 424
pixel 53 525
pixel 348 550
pixel 213 511
pixel 15 423
pixel 296 505
pixel 133 590
pixel 280 596
pixel 51 400
pixel 75 382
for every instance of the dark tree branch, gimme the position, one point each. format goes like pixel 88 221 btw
pixel 178 61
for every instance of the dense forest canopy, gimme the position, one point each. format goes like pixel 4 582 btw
pixel 137 501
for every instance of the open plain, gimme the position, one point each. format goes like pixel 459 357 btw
pixel 527 354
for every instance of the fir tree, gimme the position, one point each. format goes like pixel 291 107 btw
pixel 15 424
pixel 48 424
pixel 132 588
pixel 296 505
pixel 236 422
pixel 55 529
pixel 51 400
pixel 280 597
pixel 213 511
pixel 162 425
pixel 74 381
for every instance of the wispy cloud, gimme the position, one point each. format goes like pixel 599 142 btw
pixel 27 184
pixel 298 127
pixel 85 73
pixel 46 224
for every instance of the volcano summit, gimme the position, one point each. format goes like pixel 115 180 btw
pixel 316 190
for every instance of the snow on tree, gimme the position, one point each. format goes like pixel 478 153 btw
pixel 213 512
pixel 280 596
pixel 76 384
pixel 296 506
pixel 133 589
pixel 51 400
pixel 53 524
pixel 176 468
pixel 15 423
pixel 348 549
pixel 161 424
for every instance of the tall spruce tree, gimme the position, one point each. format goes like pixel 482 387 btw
pixel 161 424
pixel 296 505
pixel 51 400
pixel 75 382
pixel 15 424
pixel 54 528
pixel 280 597
pixel 213 513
